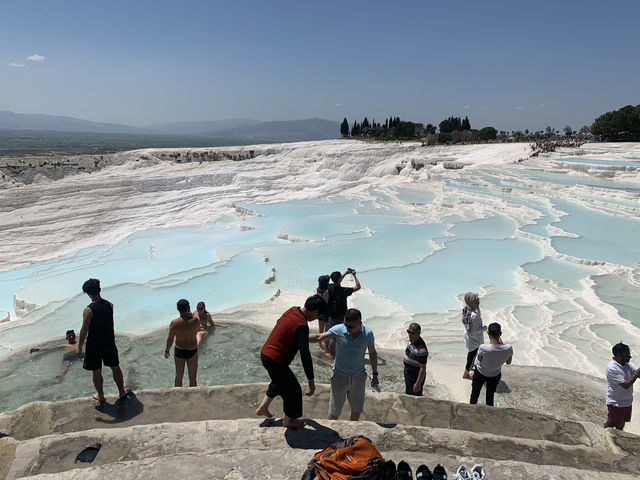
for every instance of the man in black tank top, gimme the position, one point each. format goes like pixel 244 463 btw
pixel 97 329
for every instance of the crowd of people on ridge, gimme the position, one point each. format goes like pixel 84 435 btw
pixel 546 145
pixel 342 334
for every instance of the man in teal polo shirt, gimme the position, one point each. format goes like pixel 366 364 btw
pixel 349 375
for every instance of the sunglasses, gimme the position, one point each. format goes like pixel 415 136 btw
pixel 411 332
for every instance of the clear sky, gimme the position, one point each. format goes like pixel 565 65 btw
pixel 510 64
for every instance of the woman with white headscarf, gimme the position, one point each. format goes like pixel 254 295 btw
pixel 473 329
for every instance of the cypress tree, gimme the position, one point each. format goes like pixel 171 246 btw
pixel 344 128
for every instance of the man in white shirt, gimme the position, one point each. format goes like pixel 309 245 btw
pixel 621 375
pixel 491 357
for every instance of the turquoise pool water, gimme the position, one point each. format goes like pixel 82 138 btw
pixel 595 161
pixel 417 248
pixel 601 237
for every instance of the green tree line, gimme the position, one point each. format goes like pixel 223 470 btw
pixel 392 128
pixel 618 125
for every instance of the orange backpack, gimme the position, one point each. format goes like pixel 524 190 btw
pixel 354 459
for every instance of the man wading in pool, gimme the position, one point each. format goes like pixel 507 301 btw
pixel 97 329
pixel 185 330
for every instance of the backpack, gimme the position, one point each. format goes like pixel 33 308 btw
pixel 324 294
pixel 334 304
pixel 352 459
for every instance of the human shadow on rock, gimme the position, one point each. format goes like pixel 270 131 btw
pixel 502 387
pixel 312 437
pixel 121 410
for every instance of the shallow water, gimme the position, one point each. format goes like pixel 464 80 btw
pixel 566 274
pixel 600 236
pixel 594 161
pixel 228 355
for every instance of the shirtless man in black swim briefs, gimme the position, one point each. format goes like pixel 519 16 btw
pixel 184 329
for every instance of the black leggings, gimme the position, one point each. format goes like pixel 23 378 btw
pixel 285 384
pixel 476 385
pixel 470 357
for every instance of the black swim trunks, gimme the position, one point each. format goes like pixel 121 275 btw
pixel 69 356
pixel 95 355
pixel 183 353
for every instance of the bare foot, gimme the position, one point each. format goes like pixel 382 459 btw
pixel 293 423
pixel 96 397
pixel 263 412
pixel 126 394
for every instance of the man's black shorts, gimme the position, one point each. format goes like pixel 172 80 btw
pixel 95 355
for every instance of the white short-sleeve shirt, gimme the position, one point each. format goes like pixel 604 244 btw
pixel 616 374
pixel 493 357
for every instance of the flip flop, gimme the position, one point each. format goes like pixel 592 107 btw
pixel 96 397
pixel 89 453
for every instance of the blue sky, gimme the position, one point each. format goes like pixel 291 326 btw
pixel 507 64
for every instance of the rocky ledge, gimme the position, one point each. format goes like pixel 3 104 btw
pixel 212 432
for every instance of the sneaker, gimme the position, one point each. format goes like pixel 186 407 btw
pixel 404 471
pixel 478 472
pixel 462 473
pixel 423 473
pixel 388 471
pixel 439 473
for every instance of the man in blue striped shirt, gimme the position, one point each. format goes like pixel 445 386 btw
pixel 415 361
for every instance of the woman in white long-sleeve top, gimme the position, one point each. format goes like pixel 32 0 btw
pixel 473 329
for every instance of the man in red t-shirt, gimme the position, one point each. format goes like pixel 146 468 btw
pixel 290 335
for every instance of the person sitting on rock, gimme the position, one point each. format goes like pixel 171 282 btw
pixel 68 357
pixel 205 321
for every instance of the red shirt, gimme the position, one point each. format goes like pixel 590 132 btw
pixel 282 344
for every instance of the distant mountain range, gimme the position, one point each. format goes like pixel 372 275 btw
pixel 24 121
pixel 234 130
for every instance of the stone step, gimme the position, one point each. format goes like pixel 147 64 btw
pixel 290 465
pixel 250 445
pixel 239 401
